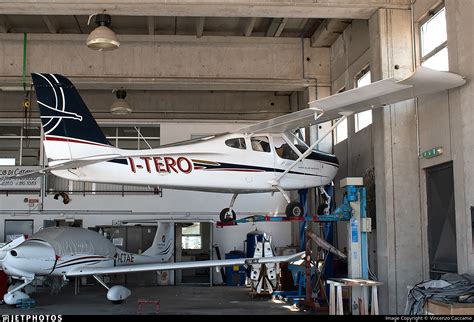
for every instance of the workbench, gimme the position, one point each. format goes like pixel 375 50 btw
pixel 335 295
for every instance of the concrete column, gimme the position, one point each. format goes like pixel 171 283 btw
pixel 399 243
pixel 460 43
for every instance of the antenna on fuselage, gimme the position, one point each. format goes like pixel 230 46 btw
pixel 140 134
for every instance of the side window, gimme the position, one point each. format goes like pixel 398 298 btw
pixel 238 143
pixel 260 144
pixel 286 152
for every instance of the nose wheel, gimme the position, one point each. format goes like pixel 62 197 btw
pixel 294 209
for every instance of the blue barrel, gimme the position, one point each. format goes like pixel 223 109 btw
pixel 235 275
pixel 252 238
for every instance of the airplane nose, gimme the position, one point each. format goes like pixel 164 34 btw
pixel 14 266
pixel 29 259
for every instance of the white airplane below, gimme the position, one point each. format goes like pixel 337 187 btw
pixel 70 251
pixel 265 157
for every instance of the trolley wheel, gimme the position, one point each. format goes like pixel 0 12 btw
pixel 294 209
pixel 227 216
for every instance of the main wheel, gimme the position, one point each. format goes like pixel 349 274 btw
pixel 227 216
pixel 117 302
pixel 321 209
pixel 294 209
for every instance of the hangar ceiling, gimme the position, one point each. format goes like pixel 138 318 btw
pixel 152 25
pixel 226 50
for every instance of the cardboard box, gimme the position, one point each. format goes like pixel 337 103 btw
pixel 440 308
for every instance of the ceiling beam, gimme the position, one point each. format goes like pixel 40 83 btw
pixel 151 25
pixel 199 27
pixel 303 23
pixel 174 83
pixel 273 27
pixel 52 25
pixel 249 26
pixel 328 32
pixel 344 9
pixel 280 28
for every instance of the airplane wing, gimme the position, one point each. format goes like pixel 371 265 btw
pixel 70 164
pixel 388 91
pixel 81 271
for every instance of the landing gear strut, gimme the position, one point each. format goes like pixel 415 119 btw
pixel 294 208
pixel 14 295
pixel 324 208
pixel 228 214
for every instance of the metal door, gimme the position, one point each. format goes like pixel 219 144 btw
pixel 441 219
pixel 13 228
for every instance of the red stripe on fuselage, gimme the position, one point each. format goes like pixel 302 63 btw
pixel 64 139
pixel 81 258
pixel 235 170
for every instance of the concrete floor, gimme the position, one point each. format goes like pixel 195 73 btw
pixel 174 300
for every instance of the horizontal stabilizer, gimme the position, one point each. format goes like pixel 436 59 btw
pixel 388 91
pixel 70 164
pixel 82 271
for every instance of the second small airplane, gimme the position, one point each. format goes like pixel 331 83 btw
pixel 69 252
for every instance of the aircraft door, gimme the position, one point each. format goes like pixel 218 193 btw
pixel 284 154
pixel 262 152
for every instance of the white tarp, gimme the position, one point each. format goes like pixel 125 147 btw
pixel 73 240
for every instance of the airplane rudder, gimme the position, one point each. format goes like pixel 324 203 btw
pixel 64 114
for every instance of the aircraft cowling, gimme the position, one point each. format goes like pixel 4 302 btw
pixel 118 293
pixel 29 259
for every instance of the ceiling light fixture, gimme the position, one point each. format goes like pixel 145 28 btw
pixel 102 37
pixel 120 106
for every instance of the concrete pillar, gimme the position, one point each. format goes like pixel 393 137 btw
pixel 399 243
pixel 460 43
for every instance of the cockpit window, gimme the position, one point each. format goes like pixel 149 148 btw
pixel 237 143
pixel 260 144
pixel 286 152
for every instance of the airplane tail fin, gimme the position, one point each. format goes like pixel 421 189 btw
pixel 67 122
pixel 162 245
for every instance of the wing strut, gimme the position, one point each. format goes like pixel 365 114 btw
pixel 276 182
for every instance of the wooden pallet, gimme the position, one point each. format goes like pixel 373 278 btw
pixel 254 294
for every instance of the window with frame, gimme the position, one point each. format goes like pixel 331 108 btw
pixel 236 143
pixel 260 143
pixel 131 138
pixel 191 236
pixel 363 119
pixel 434 41
pixel 20 145
pixel 340 133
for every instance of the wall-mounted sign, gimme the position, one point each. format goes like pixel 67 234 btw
pixel 434 152
pixel 25 183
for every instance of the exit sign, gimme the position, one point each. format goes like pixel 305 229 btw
pixel 434 152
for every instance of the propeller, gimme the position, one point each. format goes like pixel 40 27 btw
pixel 9 246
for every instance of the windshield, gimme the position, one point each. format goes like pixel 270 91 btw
pixel 300 143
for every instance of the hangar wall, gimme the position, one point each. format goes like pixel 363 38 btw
pixel 446 121
pixel 225 62
pixel 394 142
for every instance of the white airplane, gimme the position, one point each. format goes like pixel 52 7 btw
pixel 265 157
pixel 70 251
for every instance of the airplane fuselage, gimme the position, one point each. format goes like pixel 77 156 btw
pixel 205 165
pixel 38 258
